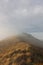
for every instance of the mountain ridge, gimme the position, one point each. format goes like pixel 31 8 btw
pixel 24 37
pixel 20 50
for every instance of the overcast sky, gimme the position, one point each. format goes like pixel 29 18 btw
pixel 21 16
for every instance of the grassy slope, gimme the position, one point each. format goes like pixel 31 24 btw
pixel 20 53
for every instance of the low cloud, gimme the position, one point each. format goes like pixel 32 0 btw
pixel 21 16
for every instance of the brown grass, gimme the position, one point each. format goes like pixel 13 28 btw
pixel 20 53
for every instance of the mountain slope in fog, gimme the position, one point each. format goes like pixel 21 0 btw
pixel 32 40
pixel 24 37
pixel 21 50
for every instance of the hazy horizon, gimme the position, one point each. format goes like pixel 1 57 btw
pixel 36 35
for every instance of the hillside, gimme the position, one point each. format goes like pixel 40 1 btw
pixel 20 50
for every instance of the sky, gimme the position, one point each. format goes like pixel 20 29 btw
pixel 18 16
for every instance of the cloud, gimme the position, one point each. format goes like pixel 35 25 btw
pixel 21 16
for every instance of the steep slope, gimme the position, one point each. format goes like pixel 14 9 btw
pixel 20 50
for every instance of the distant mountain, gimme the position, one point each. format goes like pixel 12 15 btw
pixel 23 49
